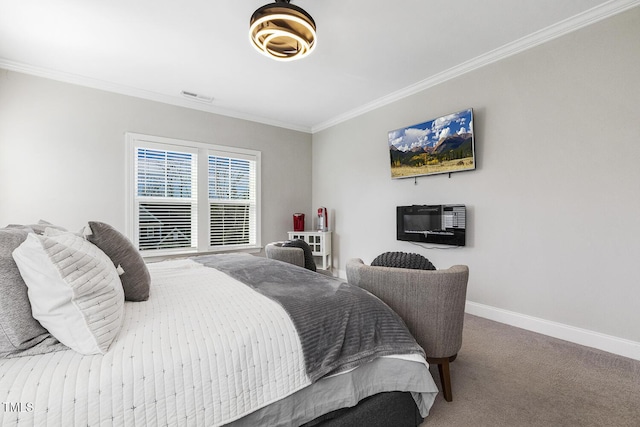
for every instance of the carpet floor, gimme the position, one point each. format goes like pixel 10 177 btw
pixel 506 376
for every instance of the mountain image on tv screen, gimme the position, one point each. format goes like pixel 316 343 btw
pixel 441 145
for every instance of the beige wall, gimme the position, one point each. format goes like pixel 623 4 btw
pixel 62 152
pixel 553 207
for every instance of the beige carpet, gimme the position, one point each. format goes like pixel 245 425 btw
pixel 505 376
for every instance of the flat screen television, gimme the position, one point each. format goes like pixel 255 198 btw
pixel 442 145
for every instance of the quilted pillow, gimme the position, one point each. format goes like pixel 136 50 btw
pixel 136 280
pixel 37 228
pixel 74 289
pixel 403 260
pixel 18 329
pixel 309 262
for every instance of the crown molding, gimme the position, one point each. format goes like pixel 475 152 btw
pixel 178 101
pixel 598 13
pixel 591 16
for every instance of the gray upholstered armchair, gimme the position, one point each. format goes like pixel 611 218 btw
pixel 431 302
pixel 291 255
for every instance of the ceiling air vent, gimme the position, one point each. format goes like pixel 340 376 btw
pixel 196 97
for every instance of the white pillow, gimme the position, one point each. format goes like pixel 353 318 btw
pixel 74 289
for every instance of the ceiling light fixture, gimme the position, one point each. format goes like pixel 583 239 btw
pixel 282 31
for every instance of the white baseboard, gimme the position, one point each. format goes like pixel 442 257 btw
pixel 611 344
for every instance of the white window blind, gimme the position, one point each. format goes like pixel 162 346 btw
pixel 232 200
pixel 166 199
pixel 192 197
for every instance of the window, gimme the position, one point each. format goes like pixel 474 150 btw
pixel 232 206
pixel 191 197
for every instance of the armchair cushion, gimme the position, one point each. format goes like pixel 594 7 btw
pixel 403 260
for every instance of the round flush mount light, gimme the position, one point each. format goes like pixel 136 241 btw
pixel 282 31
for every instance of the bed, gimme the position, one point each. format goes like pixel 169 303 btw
pixel 234 340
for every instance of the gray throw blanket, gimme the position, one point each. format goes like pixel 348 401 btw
pixel 340 326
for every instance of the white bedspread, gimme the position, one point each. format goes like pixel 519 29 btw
pixel 204 350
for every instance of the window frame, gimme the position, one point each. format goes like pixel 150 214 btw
pixel 203 151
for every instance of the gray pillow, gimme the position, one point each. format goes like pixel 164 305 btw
pixel 18 329
pixel 136 280
pixel 403 260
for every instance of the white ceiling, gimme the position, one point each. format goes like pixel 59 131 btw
pixel 368 52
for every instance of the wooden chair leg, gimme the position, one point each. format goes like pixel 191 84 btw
pixel 445 377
